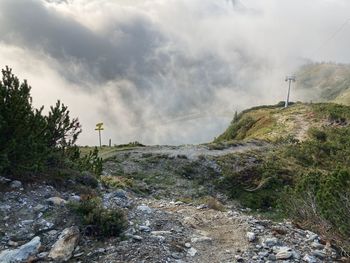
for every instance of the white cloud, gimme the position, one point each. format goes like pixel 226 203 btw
pixel 146 67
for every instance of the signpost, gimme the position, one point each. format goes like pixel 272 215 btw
pixel 99 128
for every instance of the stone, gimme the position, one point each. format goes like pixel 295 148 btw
pixel 145 228
pixel 12 243
pixel 43 255
pixel 317 245
pixel 137 238
pixel 309 259
pixel 22 253
pixel 120 193
pixel 63 248
pixel 263 254
pixel 319 253
pixel 201 239
pixel 4 180
pixel 188 245
pixel 250 236
pixel 176 255
pixel 16 184
pixel 145 209
pixel 57 201
pixel 40 208
pixel 270 242
pixel 284 253
pixel 74 199
pixel 192 252
pixel 271 257
pixel 160 233
pixel 43 225
pixel 239 258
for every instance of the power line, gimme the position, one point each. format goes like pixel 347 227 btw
pixel 341 28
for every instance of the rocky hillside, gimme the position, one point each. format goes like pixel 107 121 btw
pixel 324 82
pixel 273 188
pixel 175 213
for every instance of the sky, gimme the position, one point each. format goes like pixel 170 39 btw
pixel 166 71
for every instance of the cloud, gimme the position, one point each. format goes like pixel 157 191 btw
pixel 150 69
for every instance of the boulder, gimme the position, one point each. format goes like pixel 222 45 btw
pixel 144 209
pixel 22 253
pixel 250 236
pixel 58 201
pixel 63 248
pixel 16 184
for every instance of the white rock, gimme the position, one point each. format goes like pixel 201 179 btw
pixel 63 248
pixel 192 252
pixel 22 253
pixel 284 253
pixel 201 239
pixel 309 259
pixel 56 201
pixel 16 184
pixel 250 236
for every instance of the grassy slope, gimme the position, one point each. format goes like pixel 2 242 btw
pixel 273 123
pixel 324 82
pixel 316 165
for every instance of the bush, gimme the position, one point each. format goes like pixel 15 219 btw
pixel 116 182
pixel 30 141
pixel 99 221
pixel 321 201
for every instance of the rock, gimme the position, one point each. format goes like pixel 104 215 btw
pixel 57 201
pixel 145 228
pixel 12 243
pixel 145 209
pixel 317 245
pixel 120 193
pixel 176 255
pixel 4 180
pixel 74 199
pixel 319 253
pixel 43 225
pixel 40 208
pixel 192 252
pixel 42 255
pixel 27 222
pixel 271 257
pixel 137 238
pixel 160 233
pixel 270 242
pixel 201 239
pixel 250 236
pixel 188 245
pixel 310 259
pixel 22 253
pixel 239 258
pixel 63 248
pixel 202 206
pixel 263 254
pixel 16 184
pixel 284 254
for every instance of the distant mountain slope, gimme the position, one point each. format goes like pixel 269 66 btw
pixel 324 82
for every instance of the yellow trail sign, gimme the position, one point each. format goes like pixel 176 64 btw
pixel 99 126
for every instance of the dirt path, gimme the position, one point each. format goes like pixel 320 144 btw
pixel 217 235
pixel 192 152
